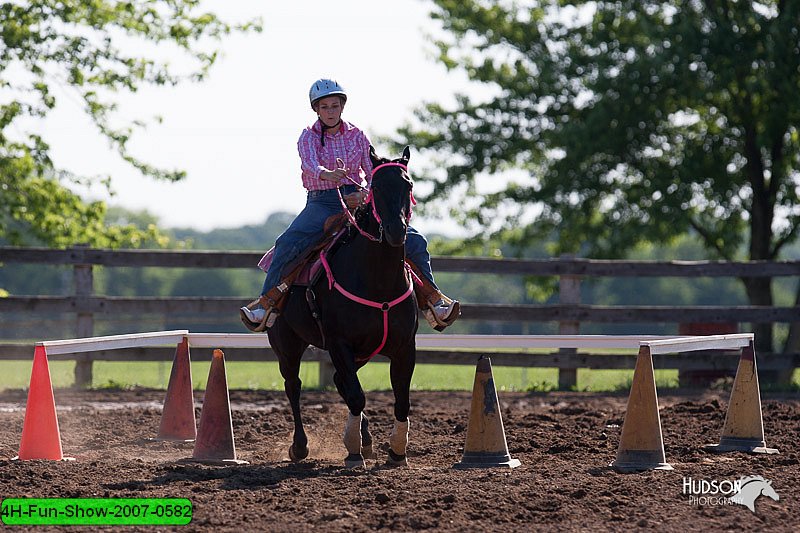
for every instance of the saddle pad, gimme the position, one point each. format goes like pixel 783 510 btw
pixel 305 275
pixel 333 225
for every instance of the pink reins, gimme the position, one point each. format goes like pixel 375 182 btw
pixel 370 199
pixel 412 200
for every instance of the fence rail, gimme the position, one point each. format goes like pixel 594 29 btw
pixel 474 265
pixel 503 312
pixel 569 313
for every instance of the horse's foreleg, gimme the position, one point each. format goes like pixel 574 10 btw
pixel 292 385
pixel 366 437
pixel 401 370
pixel 299 448
pixel 349 388
pixel 398 444
pixel 352 441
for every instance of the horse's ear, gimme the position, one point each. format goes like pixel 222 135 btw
pixel 373 156
pixel 406 154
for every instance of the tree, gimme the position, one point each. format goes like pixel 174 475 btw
pixel 613 123
pixel 91 50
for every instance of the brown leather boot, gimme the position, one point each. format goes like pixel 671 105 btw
pixel 439 310
pixel 442 313
pixel 261 313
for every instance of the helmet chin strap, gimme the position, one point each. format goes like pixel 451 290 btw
pixel 326 127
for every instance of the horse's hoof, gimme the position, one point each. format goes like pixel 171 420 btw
pixel 297 454
pixel 395 460
pixel 355 460
pixel 368 452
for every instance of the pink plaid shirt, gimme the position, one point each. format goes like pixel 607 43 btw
pixel 349 144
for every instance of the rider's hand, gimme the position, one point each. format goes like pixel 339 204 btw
pixel 354 199
pixel 333 175
pixel 336 175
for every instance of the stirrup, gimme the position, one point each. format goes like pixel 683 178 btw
pixel 434 321
pixel 267 322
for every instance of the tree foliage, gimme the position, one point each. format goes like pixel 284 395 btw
pixel 90 51
pixel 610 123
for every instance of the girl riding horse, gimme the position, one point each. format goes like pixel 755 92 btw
pixel 362 306
pixel 335 161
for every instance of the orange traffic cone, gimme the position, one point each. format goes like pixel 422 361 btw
pixel 744 427
pixel 214 443
pixel 641 446
pixel 177 417
pixel 41 438
pixel 486 445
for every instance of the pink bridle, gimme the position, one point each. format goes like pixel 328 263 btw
pixel 383 306
pixel 370 200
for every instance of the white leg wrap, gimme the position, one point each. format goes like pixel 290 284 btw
pixel 399 438
pixel 352 434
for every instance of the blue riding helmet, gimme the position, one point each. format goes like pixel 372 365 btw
pixel 325 87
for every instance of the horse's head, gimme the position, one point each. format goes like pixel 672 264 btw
pixel 390 195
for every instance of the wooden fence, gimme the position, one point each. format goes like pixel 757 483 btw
pixel 569 313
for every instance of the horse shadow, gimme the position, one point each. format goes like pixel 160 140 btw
pixel 240 477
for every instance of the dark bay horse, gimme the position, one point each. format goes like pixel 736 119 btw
pixel 364 305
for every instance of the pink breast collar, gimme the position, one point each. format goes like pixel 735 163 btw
pixel 383 306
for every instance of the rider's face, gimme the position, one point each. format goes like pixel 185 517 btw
pixel 330 110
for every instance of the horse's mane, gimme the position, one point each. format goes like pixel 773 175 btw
pixel 361 215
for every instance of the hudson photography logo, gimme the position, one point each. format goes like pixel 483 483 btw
pixel 743 491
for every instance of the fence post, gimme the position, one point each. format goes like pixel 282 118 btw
pixel 326 371
pixel 83 280
pixel 569 292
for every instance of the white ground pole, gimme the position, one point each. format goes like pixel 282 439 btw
pixel 693 344
pixel 326 370
pixel 535 341
pixel 114 342
pixel 657 344
pixel 248 340
pixel 227 340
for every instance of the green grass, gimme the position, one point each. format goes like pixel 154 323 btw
pixel 620 380
pixel 375 376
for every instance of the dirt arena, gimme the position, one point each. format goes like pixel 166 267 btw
pixel 564 440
